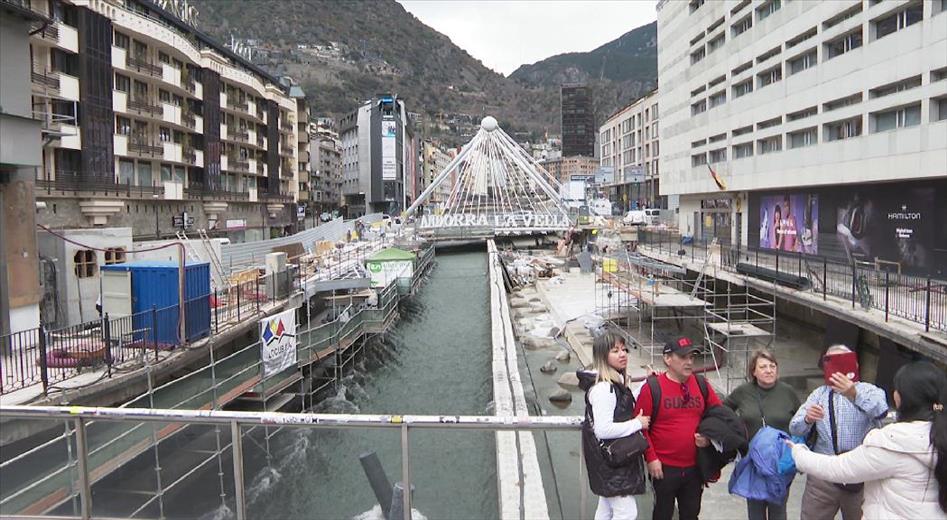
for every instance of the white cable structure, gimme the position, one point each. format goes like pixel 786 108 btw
pixel 496 187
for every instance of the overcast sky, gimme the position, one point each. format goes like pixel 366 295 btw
pixel 507 34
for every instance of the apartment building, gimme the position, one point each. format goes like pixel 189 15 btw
pixel 629 147
pixel 812 127
pixel 146 118
pixel 565 169
pixel 577 120
pixel 434 161
pixel 325 169
pixel 380 167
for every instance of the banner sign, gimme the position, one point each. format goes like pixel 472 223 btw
pixel 278 335
pixel 389 163
pixel 790 223
pixel 509 220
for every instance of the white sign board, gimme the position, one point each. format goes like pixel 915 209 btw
pixel 383 273
pixel 389 161
pixel 278 335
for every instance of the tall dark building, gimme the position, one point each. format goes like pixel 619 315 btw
pixel 578 120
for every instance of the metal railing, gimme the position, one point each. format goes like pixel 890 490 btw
pixel 144 147
pixel 144 105
pixel 919 299
pixel 82 418
pixel 75 181
pixel 48 356
pixel 48 79
pixel 144 66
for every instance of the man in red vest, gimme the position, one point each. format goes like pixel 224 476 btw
pixel 672 435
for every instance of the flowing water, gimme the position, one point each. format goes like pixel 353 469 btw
pixel 435 360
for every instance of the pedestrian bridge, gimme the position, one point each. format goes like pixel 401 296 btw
pixel 492 188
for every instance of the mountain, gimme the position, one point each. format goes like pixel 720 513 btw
pixel 343 52
pixel 621 70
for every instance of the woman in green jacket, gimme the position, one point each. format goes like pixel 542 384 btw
pixel 764 401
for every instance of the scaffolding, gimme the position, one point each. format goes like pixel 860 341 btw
pixel 648 300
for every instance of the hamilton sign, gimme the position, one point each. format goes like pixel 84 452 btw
pixel 497 221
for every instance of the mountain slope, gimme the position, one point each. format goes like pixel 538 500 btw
pixel 382 48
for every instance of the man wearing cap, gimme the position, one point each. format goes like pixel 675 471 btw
pixel 672 436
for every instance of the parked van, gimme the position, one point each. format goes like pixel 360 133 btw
pixel 643 217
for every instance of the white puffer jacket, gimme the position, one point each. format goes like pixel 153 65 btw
pixel 896 463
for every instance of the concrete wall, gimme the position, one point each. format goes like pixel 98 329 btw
pixel 74 296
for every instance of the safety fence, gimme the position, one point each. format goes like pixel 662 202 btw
pixel 870 285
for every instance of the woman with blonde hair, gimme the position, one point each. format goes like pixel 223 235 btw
pixel 608 407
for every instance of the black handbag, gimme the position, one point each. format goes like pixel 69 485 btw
pixel 848 488
pixel 623 450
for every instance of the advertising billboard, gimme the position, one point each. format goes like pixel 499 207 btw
pixel 892 223
pixel 389 161
pixel 790 222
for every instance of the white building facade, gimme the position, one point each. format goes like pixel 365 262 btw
pixel 809 127
pixel 628 146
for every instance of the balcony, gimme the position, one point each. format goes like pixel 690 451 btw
pixel 48 80
pixel 275 197
pixel 189 155
pixel 145 67
pixel 286 150
pixel 189 121
pixel 198 191
pixel 145 148
pixel 240 105
pixel 93 183
pixel 145 106
pixel 286 126
pixel 242 135
pixel 50 33
pixel 235 163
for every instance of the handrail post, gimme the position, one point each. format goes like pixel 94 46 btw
pixel 154 329
pixel 854 275
pixel 825 277
pixel 43 361
pixel 583 488
pixel 236 441
pixel 927 307
pixel 886 294
pixel 107 338
pixel 406 471
pixel 85 486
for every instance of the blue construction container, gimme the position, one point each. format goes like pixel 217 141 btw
pixel 154 287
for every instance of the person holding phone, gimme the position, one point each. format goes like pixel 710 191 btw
pixel 835 419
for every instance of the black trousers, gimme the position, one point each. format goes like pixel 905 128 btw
pixel 682 485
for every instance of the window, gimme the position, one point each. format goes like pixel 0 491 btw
pixel 144 174
pixel 770 144
pixel 939 107
pixel 164 96
pixel 123 125
pixel 769 123
pixel 699 159
pixel 126 172
pixel 697 38
pixel 718 155
pixel 835 104
pixel 802 138
pixel 699 107
pixel 716 81
pixel 698 90
pixel 85 263
pixel 939 74
pixel 695 4
pixel 739 7
pixel 841 17
pixel 716 43
pixel 741 26
pixel 741 68
pixel 802 114
pixel 801 38
pixel 114 255
pixel 897 118
pixel 845 129
pixel 767 55
pixel 718 98
pixel 714 25
pixel 695 144
pixel 763 11
pixel 122 83
pixel 742 150
pixel 717 138
pixel 164 134
pixel 120 40
pixel 742 130
pixel 905 17
pixel 164 58
pixel 893 88
pixel 844 43
pixel 770 76
pixel 697 55
pixel 743 88
pixel 803 62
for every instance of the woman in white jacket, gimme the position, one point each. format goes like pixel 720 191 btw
pixel 903 465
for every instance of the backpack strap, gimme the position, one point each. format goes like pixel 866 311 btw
pixel 702 384
pixel 655 387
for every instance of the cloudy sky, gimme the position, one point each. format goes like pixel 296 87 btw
pixel 507 34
